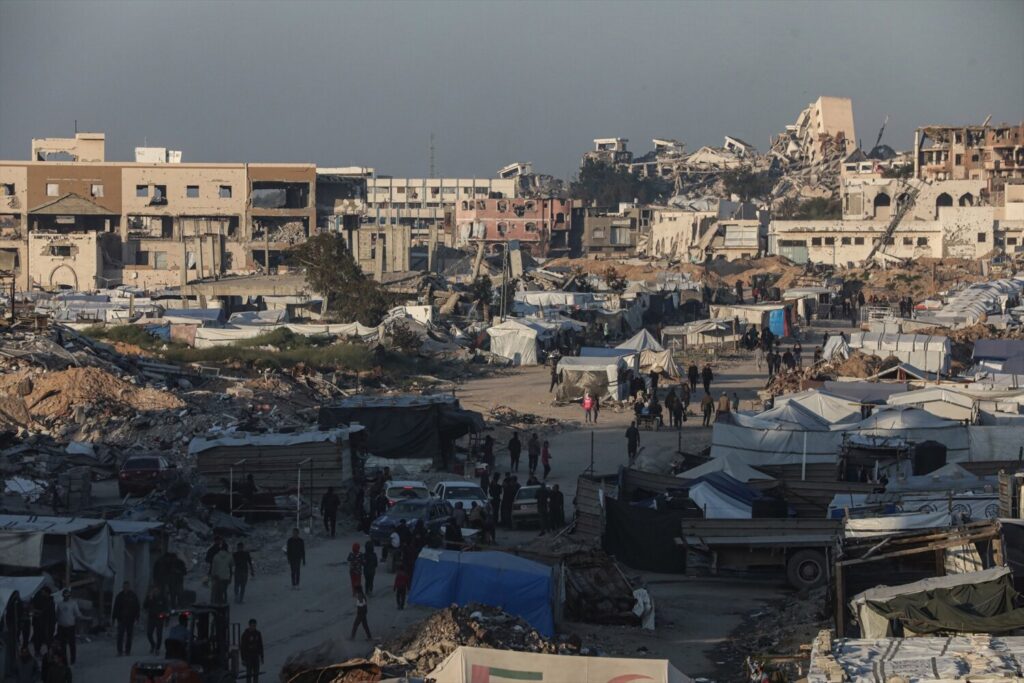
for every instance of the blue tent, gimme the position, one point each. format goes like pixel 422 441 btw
pixel 518 586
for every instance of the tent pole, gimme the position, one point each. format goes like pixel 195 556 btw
pixel 803 464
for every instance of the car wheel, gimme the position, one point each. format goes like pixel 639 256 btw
pixel 806 569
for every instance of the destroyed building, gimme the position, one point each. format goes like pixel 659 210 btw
pixel 541 226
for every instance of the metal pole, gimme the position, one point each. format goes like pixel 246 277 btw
pixel 231 491
pixel 803 464
pixel 591 452
pixel 298 496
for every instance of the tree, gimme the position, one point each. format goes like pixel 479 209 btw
pixel 747 184
pixel 482 290
pixel 817 208
pixel 615 282
pixel 603 184
pixel 332 272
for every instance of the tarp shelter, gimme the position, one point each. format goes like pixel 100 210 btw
pixel 516 340
pixel 720 496
pixel 273 459
pixel 703 333
pixel 835 348
pixel 481 665
pixel 993 353
pixel 976 602
pixel 208 337
pixel 729 464
pixel 405 426
pixel 598 375
pixel 195 316
pixel 864 392
pixel 641 341
pixel 519 586
pixel 268 317
pixel 775 317
pixel 931 353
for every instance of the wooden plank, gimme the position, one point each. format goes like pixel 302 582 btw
pixel 936 545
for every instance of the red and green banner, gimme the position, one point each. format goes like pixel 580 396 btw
pixel 492 674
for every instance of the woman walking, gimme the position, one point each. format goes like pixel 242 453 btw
pixel 360 615
pixel 355 569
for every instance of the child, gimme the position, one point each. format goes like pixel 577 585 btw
pixel 401 586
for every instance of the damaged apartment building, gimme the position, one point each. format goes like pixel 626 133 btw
pixel 74 220
pixel 541 226
pixel 960 203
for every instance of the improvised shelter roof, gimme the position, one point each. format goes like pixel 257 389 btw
pixel 864 392
pixel 729 464
pixel 997 349
pixel 721 496
pixel 833 409
pixel 22 586
pixel 904 417
pixel 482 665
pixel 642 340
pixel 193 315
pixel 519 586
pixel 592 363
pixel 267 317
pixel 199 444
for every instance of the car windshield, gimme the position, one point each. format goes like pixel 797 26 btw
pixel 527 494
pixel 407 492
pixel 463 492
pixel 408 509
pixel 142 464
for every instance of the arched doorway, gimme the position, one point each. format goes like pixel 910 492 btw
pixel 882 205
pixel 64 276
pixel 966 199
pixel 942 200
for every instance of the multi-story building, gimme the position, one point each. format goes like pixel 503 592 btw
pixel 823 128
pixel 609 151
pixel 542 226
pixel 90 224
pixel 989 153
pixel 610 233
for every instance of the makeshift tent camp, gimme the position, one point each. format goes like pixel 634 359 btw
pixel 517 585
pixel 916 425
pixel 729 464
pixel 976 602
pixel 720 496
pixel 481 665
pixel 931 353
pixel 835 348
pixel 641 341
pixel 863 392
pixel 775 317
pixel 208 337
pixel 599 376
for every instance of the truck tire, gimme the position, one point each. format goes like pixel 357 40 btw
pixel 806 569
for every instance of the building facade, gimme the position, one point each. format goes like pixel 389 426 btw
pixel 542 226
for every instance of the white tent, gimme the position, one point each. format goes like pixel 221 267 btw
pixel 641 341
pixel 483 665
pixel 599 375
pixel 729 464
pixel 515 340
pixel 930 353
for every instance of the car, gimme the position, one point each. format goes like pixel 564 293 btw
pixel 141 474
pixel 461 491
pixel 405 490
pixel 434 513
pixel 524 506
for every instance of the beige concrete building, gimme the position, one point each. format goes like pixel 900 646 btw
pixel 989 153
pixel 823 128
pixel 82 147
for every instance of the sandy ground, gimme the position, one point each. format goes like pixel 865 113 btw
pixel 693 614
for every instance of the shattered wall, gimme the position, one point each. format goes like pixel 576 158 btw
pixel 68 260
pixel 968 232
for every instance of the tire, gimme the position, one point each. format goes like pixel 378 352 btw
pixel 807 569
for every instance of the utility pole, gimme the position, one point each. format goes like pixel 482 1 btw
pixel 432 154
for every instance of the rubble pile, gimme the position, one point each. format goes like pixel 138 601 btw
pixel 425 645
pixel 962 340
pixel 859 365
pixel 862 365
pixel 510 417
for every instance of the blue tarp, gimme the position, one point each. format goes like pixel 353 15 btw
pixel 516 585
pixel 777 322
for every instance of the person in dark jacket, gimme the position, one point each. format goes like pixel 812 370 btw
pixel 495 492
pixel 706 376
pixel 295 550
pixel 543 510
pixel 329 505
pixel 250 650
pixel 507 494
pixel 632 441
pixel 515 447
pixel 533 452
pixel 126 612
pixel 55 668
pixel 370 563
pixel 355 568
pixel 691 374
pixel 156 611
pixel 360 616
pixel 244 568
pixel 556 507
pixel 44 619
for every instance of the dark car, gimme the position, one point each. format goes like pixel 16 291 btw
pixel 434 513
pixel 141 474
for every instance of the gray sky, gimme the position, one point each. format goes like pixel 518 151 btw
pixel 347 83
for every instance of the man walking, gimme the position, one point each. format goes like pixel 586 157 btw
pixel 706 376
pixel 554 375
pixel 632 441
pixel 495 492
pixel 369 565
pixel 533 452
pixel 126 612
pixel 329 505
pixel 515 447
pixel 360 619
pixel 543 498
pixel 724 405
pixel 295 550
pixel 175 570
pixel 155 605
pixel 244 568
pixel 221 571
pixel 44 618
pixel 250 648
pixel 691 374
pixel 684 398
pixel 707 404
pixel 68 614
pixel 556 508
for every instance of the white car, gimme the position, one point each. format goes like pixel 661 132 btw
pixel 405 490
pixel 459 491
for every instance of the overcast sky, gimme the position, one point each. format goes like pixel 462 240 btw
pixel 347 83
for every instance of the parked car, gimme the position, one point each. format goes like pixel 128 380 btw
pixel 465 492
pixel 141 474
pixel 405 490
pixel 524 506
pixel 434 513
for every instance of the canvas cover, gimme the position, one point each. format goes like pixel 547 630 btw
pixel 720 496
pixel 977 602
pixel 729 464
pixel 481 665
pixel 661 361
pixel 931 353
pixel 598 375
pixel 514 340
pixel 641 341
pixel 517 585
pixel 208 337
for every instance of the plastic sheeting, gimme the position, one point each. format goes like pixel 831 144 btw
pixel 482 665
pixel 599 376
pixel 931 353
pixel 199 444
pixel 208 337
pixel 893 524
pixel 517 585
pixel 729 464
pixel 722 497
pixel 516 341
pixel 641 341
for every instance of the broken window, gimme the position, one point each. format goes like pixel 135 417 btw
pixel 620 235
pixel 142 190
pixel 62 250
pixel 16 259
pixel 560 218
pixel 830 241
pixel 8 189
pixel 531 227
pixel 277 258
pixel 1011 241
pixel 908 241
pixel 192 191
pixel 224 192
pixel 502 228
pixel 96 189
pixel 153 227
pixel 52 189
pixel 291 230
pixel 966 199
pixel 858 240
pixel 846 241
pixel 159 194
pixel 815 241
pixel 982 238
pixel 281 195
pixel 922 241
pixel 598 233
pixel 142 258
pixel 943 199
